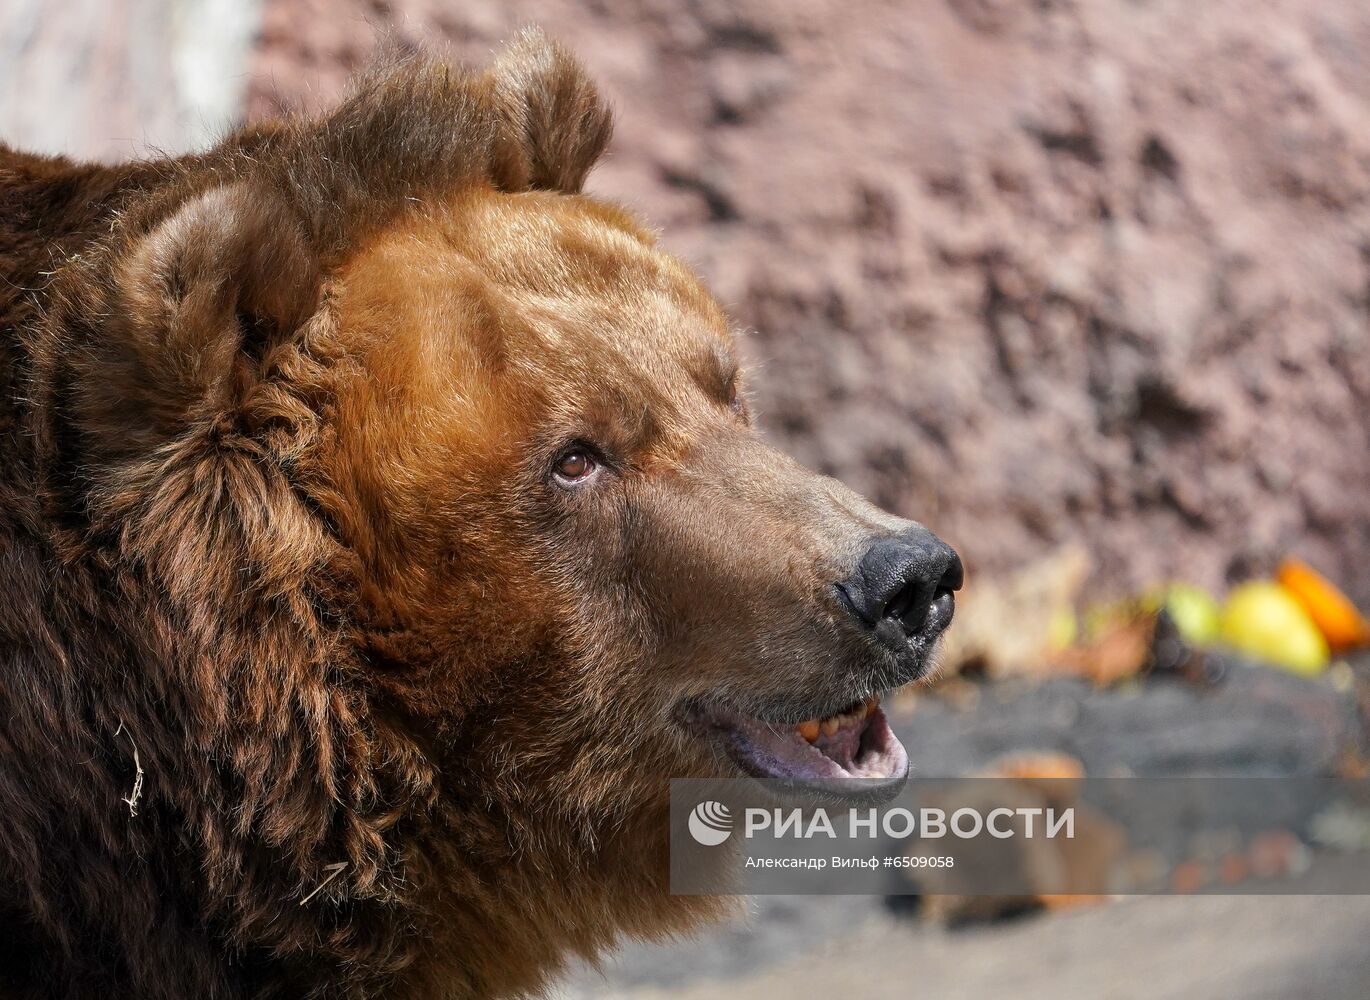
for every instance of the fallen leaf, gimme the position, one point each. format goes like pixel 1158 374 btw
pixel 1005 626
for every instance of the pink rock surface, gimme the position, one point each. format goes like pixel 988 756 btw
pixel 1028 270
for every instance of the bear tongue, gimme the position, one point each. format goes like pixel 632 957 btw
pixel 860 747
pixel 843 745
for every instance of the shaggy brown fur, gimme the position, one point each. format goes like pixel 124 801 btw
pixel 312 684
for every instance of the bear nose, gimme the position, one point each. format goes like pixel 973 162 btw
pixel 902 580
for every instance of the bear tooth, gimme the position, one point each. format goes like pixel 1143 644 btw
pixel 808 729
pixel 830 726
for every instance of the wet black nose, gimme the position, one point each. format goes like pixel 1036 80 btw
pixel 903 584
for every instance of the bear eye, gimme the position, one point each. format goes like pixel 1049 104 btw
pixel 574 467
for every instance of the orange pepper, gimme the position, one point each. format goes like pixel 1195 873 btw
pixel 1332 611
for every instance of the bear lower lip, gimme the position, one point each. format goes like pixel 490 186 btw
pixel 850 752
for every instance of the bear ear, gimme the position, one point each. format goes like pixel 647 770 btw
pixel 201 300
pixel 553 125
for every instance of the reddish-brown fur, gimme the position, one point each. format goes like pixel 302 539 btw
pixel 275 527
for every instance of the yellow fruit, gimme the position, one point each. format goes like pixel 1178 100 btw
pixel 1193 611
pixel 1265 621
pixel 1063 629
pixel 1332 611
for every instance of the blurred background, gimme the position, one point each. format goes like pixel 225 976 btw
pixel 1084 285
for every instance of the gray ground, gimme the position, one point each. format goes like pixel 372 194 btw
pixel 1148 948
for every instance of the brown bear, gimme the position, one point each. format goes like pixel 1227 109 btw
pixel 382 525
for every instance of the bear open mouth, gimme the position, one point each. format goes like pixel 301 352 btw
pixel 853 745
